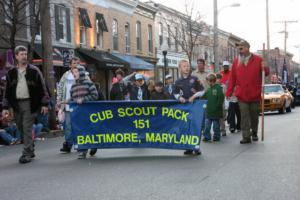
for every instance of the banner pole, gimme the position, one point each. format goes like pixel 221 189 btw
pixel 263 97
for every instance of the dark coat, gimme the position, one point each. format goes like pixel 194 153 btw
pixel 133 92
pixel 118 91
pixel 159 96
pixel 36 86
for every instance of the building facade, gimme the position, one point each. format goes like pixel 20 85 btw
pixel 114 34
pixel 167 37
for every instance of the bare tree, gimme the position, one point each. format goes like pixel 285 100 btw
pixel 35 24
pixel 14 23
pixel 187 29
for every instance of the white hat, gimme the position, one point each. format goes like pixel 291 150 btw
pixel 226 63
pixel 168 76
pixel 138 76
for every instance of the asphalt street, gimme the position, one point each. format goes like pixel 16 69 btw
pixel 226 170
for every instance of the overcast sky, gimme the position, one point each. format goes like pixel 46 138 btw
pixel 249 20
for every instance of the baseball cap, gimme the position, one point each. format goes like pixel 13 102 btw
pixel 226 63
pixel 138 76
pixel 168 76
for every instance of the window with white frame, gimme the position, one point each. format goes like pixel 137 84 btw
pixel 176 39
pixel 62 23
pixel 138 36
pixel 82 32
pixel 160 33
pixel 150 39
pixel 99 34
pixel 115 35
pixel 169 36
pixel 127 38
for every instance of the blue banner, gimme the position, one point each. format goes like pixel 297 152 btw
pixel 135 124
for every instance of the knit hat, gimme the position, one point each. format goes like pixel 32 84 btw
pixel 82 72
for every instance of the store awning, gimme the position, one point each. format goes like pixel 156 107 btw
pixel 135 63
pixel 101 22
pixel 106 59
pixel 60 55
pixel 85 19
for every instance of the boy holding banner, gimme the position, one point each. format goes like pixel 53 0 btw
pixel 214 109
pixel 187 88
pixel 83 90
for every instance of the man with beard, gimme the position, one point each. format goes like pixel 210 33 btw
pixel 246 81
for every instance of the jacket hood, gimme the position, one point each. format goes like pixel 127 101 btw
pixel 82 73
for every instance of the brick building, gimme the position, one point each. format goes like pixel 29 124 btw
pixel 114 34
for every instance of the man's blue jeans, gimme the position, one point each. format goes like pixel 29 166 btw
pixel 6 137
pixel 37 129
pixel 14 131
pixel 216 128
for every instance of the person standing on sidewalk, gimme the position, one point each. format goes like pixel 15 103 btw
pixel 27 95
pixel 246 81
pixel 83 91
pixel 63 94
pixel 187 88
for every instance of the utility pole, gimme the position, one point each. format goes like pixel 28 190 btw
pixel 268 32
pixel 285 22
pixel 47 54
pixel 216 41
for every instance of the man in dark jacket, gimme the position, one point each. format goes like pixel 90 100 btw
pixel 118 90
pixel 27 95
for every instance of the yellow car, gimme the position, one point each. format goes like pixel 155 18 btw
pixel 277 99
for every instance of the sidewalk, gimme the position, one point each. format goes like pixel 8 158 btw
pixel 51 134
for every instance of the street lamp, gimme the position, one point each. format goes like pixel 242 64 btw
pixel 216 41
pixel 165 65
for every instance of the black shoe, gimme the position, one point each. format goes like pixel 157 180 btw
pixel 188 152
pixel 65 148
pixel 215 139
pixel 206 140
pixel 254 138
pixel 197 152
pixel 32 155
pixel 24 159
pixel 245 141
pixel 232 130
pixel 93 152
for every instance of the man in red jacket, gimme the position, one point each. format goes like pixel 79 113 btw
pixel 246 80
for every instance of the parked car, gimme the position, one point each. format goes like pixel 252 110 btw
pixel 276 98
pixel 297 98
